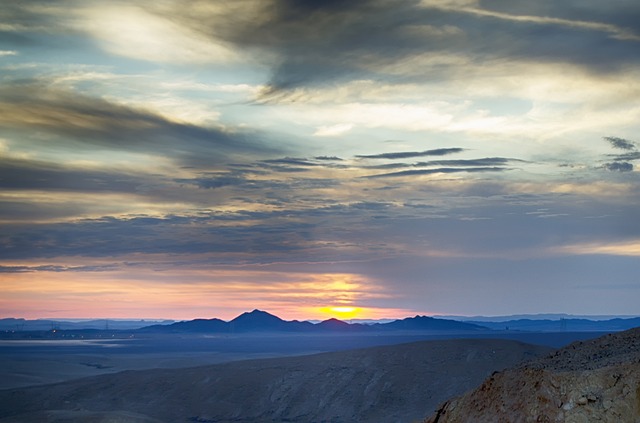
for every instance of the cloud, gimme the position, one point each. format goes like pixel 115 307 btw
pixel 333 130
pixel 56 268
pixel 290 161
pixel 418 172
pixel 621 143
pixel 80 121
pixel 635 155
pixel 23 174
pixel 622 162
pixel 132 31
pixel 619 166
pixel 213 182
pixel 310 43
pixel 409 154
pixel 621 248
pixel 612 30
pixel 486 161
pixel 389 166
pixel 306 43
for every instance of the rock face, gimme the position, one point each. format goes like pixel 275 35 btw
pixel 593 381
pixel 381 384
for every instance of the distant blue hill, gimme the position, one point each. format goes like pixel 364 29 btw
pixel 564 325
pixel 258 321
pixel 261 321
pixel 428 323
pixel 13 324
pixel 191 326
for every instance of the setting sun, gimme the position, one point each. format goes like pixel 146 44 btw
pixel 342 312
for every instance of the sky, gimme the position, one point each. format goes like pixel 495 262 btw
pixel 371 159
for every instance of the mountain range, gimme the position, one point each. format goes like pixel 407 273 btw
pixel 261 321
pixel 562 325
pixel 258 321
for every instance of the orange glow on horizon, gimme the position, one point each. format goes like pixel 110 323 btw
pixel 158 291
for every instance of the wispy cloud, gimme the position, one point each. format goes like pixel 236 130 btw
pixel 621 143
pixel 612 30
pixel 630 248
pixel 418 172
pixel 80 121
pixel 309 44
pixel 622 162
pixel 410 154
pixel 22 174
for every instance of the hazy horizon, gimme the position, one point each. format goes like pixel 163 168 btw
pixel 370 159
pixel 487 318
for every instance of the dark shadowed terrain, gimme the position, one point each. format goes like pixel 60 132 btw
pixel 255 368
pixel 400 383
pixel 32 362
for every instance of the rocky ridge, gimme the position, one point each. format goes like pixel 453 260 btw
pixel 591 381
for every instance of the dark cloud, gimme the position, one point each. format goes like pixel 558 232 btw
pixel 409 154
pixel 622 162
pixel 389 166
pixel 417 172
pixel 21 174
pixel 635 155
pixel 245 181
pixel 290 161
pixel 329 158
pixel 25 210
pixel 57 268
pixel 85 122
pixel 110 236
pixel 213 182
pixel 487 161
pixel 619 166
pixel 286 169
pixel 310 43
pixel 621 143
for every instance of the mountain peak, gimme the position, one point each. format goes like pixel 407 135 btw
pixel 257 320
pixel 256 314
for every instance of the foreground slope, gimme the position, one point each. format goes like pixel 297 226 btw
pixel 590 381
pixel 368 385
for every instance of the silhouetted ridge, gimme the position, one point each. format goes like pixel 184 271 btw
pixel 261 321
pixel 564 324
pixel 334 324
pixel 197 325
pixel 428 323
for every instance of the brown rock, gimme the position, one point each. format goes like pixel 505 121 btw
pixel 577 377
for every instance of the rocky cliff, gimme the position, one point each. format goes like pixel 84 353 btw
pixel 592 381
